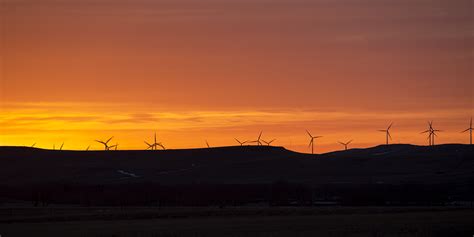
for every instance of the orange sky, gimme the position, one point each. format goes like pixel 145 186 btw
pixel 76 71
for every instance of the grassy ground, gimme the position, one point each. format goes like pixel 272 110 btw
pixel 334 221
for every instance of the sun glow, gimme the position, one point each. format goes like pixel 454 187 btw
pixel 79 124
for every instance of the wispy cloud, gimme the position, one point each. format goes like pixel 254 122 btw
pixel 183 128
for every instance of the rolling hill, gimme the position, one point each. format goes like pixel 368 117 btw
pixel 390 164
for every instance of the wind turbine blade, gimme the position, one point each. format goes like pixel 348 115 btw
pixel 147 143
pixel 425 131
pixel 342 143
pixel 259 136
pixel 349 142
pixel 272 140
pixel 155 137
pixel 390 136
pixel 382 130
pixel 109 139
pixel 466 130
pixel 309 134
pixel 390 126
pixel 310 143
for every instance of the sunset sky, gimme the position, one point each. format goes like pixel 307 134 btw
pixel 193 70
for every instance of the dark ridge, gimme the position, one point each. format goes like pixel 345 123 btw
pixel 400 173
pixel 247 164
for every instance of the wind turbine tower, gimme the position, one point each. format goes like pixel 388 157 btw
pixel 311 141
pixel 470 132
pixel 387 133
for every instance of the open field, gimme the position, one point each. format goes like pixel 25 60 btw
pixel 238 176
pixel 281 221
pixel 238 191
pixel 393 164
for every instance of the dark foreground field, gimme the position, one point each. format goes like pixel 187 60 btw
pixel 390 164
pixel 239 176
pixel 238 191
pixel 277 221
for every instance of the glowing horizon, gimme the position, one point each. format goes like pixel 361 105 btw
pixel 78 125
pixel 76 71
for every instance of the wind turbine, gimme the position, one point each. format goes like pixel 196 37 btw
pixel 470 132
pixel 387 132
pixel 429 131
pixel 88 147
pixel 345 144
pixel 311 141
pixel 258 140
pixel 61 148
pixel 33 144
pixel 150 146
pixel 106 146
pixel 207 143
pixel 433 133
pixel 268 143
pixel 155 144
pixel 241 143
pixel 114 146
pixel 161 145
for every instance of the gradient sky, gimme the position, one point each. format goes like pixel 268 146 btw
pixel 196 70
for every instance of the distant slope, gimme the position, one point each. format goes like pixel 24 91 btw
pixel 391 164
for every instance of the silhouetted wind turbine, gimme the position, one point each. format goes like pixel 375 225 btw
pixel 345 144
pixel 241 143
pixel 470 132
pixel 161 145
pixel 387 132
pixel 106 146
pixel 88 147
pixel 33 144
pixel 207 143
pixel 150 146
pixel 311 141
pixel 61 148
pixel 258 140
pixel 155 144
pixel 114 146
pixel 433 133
pixel 268 143
pixel 429 131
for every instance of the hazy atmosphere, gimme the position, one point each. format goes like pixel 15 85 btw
pixel 75 71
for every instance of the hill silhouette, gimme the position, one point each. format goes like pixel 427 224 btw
pixel 247 164
pixel 381 175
